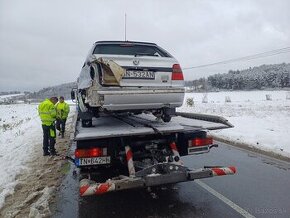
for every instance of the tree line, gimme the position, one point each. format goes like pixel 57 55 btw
pixel 262 77
pixel 59 90
pixel 9 93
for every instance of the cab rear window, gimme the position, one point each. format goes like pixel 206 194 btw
pixel 130 49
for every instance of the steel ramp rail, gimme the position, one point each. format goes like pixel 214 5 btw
pixel 208 118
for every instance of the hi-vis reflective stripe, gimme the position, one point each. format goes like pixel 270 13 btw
pixel 44 112
pixel 52 133
pixel 50 120
pixel 47 120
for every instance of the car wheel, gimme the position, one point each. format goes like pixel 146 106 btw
pixel 87 123
pixel 166 118
pixel 96 113
pixel 78 118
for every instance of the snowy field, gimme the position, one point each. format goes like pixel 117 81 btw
pixel 258 122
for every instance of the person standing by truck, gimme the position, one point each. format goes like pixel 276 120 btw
pixel 62 111
pixel 47 114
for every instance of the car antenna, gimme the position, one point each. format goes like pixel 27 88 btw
pixel 125 26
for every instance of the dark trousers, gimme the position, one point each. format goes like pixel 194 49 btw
pixel 48 139
pixel 60 125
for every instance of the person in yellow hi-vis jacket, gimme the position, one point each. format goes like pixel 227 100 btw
pixel 62 111
pixel 47 113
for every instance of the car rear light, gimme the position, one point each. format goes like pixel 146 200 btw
pixel 176 72
pixel 91 152
pixel 196 142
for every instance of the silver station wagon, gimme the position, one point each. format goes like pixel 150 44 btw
pixel 126 76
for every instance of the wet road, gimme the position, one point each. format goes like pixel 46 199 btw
pixel 261 188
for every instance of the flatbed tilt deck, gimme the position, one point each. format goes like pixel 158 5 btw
pixel 127 151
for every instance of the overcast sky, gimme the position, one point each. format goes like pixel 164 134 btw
pixel 45 42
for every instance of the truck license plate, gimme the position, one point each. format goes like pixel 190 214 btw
pixel 93 161
pixel 136 74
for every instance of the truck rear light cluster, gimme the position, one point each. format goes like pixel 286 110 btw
pixel 176 72
pixel 91 152
pixel 197 142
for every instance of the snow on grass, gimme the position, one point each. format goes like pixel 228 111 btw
pixel 20 131
pixel 258 122
pixel 4 98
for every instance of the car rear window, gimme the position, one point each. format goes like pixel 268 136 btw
pixel 130 49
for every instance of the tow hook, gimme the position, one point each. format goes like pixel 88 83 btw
pixel 213 146
pixel 70 159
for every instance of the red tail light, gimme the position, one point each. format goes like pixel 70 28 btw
pixel 91 152
pixel 200 142
pixel 176 72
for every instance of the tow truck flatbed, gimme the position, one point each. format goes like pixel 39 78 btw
pixel 144 124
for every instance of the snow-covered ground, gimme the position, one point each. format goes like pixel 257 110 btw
pixel 258 122
pixel 20 134
pixel 5 98
pixel 20 130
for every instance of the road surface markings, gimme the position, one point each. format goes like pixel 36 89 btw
pixel 227 201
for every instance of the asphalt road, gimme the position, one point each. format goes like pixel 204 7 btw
pixel 261 188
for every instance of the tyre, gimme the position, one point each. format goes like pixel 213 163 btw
pixel 166 118
pixel 87 123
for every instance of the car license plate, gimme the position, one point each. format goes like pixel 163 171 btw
pixel 93 161
pixel 136 74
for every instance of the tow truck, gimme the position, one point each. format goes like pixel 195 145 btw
pixel 129 151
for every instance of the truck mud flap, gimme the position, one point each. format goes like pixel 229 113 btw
pixel 159 174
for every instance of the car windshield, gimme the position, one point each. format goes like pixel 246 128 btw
pixel 130 49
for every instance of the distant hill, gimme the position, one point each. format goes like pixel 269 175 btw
pixel 59 90
pixel 274 76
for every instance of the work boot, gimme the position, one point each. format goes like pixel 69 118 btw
pixel 46 154
pixel 54 153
